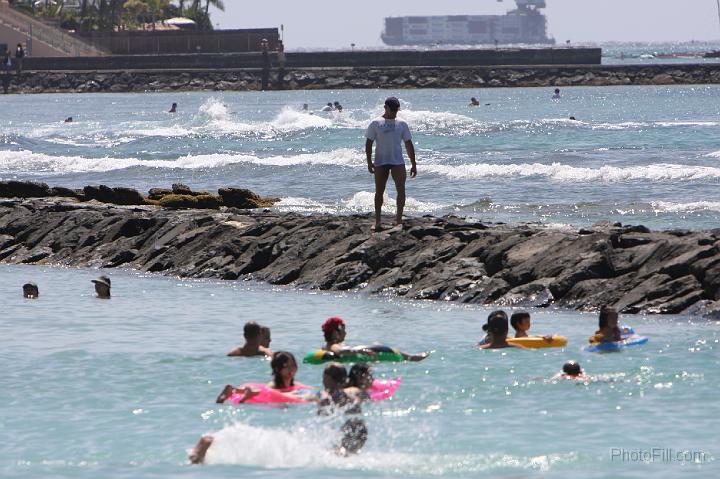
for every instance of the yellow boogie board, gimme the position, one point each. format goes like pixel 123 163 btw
pixel 534 342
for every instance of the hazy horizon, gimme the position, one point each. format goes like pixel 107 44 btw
pixel 332 24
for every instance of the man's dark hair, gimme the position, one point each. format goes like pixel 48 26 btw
pixel 392 103
pixel 517 317
pixel 251 330
pixel 606 312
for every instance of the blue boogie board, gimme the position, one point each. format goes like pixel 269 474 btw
pixel 633 340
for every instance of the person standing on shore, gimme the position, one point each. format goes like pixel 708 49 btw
pixel 7 62
pixel 264 46
pixel 281 64
pixel 19 55
pixel 389 132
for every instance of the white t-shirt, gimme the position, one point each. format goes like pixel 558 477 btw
pixel 389 136
pixel 326 108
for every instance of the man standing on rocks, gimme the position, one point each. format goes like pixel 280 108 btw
pixel 389 132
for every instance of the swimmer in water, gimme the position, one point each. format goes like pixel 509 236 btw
pixel 355 435
pixel 608 323
pixel 360 379
pixel 334 333
pixel 253 346
pixel 556 95
pixel 337 106
pixel 474 102
pixel 328 107
pixel 173 108
pixel 69 119
pixel 332 399
pixel 498 329
pixel 571 370
pixel 265 339
pixel 284 367
pixel 520 322
pixel 336 395
pixel 102 287
pixel 487 339
pixel 30 291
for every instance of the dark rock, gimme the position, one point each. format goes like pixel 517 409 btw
pixel 23 189
pixel 158 193
pixel 66 192
pixel 117 196
pixel 245 199
pixel 190 201
pixel 431 258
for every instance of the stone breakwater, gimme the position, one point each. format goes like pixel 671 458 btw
pixel 451 259
pixel 347 78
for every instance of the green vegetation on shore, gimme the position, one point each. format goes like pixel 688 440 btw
pixel 116 15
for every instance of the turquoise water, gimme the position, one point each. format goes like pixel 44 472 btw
pixel 123 387
pixel 636 154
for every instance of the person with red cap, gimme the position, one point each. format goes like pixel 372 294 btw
pixel 334 330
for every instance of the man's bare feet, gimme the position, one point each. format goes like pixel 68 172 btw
pixel 417 357
pixel 197 455
pixel 228 391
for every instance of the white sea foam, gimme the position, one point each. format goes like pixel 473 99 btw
pixel 29 162
pixel 561 172
pixel 714 154
pixel 360 202
pixel 695 206
pixel 246 445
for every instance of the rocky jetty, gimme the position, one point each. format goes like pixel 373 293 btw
pixel 361 77
pixel 179 196
pixel 450 259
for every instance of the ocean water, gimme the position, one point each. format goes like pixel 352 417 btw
pixel 635 154
pixel 124 387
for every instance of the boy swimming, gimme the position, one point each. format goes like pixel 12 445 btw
pixel 520 321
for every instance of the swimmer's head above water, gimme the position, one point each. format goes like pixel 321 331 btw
pixel 360 376
pixel 284 367
pixel 572 368
pixel 334 376
pixel 334 330
pixel 355 435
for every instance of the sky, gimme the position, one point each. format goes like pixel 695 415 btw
pixel 335 24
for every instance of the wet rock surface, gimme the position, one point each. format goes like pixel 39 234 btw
pixel 451 259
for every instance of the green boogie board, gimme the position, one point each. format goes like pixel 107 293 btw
pixel 383 354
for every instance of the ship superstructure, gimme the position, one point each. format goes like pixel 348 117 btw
pixel 525 24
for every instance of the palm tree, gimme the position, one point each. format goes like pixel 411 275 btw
pixel 215 3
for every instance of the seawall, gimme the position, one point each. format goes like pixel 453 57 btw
pixel 449 259
pixel 250 79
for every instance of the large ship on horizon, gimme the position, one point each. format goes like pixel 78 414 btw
pixel 525 24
